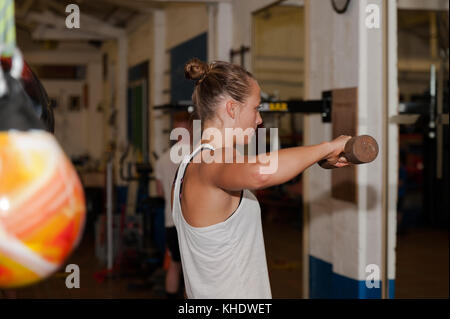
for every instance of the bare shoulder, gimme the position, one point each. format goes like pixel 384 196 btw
pixel 212 161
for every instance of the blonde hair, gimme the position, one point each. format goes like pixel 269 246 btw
pixel 213 82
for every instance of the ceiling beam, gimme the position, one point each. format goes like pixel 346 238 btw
pixel 129 4
pixel 46 18
pixel 87 24
pixel 54 57
pixel 47 33
pixel 137 22
pixel 182 1
pixel 293 3
pixel 99 26
pixel 24 8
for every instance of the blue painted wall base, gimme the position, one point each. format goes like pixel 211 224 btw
pixel 325 284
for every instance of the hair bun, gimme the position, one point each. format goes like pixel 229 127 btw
pixel 195 69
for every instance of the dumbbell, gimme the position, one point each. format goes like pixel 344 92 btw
pixel 358 150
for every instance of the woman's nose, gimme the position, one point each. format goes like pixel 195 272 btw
pixel 258 119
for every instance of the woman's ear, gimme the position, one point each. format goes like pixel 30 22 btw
pixel 231 108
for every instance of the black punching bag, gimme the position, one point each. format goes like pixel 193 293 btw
pixel 35 95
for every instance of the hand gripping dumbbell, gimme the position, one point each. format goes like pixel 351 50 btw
pixel 358 150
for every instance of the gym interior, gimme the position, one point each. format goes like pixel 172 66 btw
pixel 112 74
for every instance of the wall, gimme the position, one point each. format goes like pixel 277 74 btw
pixel 78 132
pixel 242 24
pixel 75 140
pixel 140 43
pixel 185 21
pixel 277 59
pixel 178 24
pixel 70 126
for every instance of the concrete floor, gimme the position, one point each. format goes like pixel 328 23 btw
pixel 422 267
pixel 422 264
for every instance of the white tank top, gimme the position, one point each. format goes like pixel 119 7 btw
pixel 226 260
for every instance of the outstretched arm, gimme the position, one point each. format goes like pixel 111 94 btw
pixel 288 163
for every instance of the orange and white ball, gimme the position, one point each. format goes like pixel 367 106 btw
pixel 42 207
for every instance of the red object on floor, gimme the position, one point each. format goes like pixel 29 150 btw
pixel 167 258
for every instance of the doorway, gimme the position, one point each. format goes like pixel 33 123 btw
pixel 137 111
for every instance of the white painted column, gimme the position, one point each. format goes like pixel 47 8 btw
pixel 224 31
pixel 393 142
pixel 343 238
pixel 370 121
pixel 220 31
pixel 212 9
pixel 331 62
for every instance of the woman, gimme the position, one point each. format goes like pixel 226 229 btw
pixel 217 217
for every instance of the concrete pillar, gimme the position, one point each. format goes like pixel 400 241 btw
pixel 344 240
pixel 390 183
pixel 224 29
pixel 212 12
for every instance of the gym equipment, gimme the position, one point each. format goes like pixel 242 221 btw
pixel 135 245
pixel 322 106
pixel 358 150
pixel 42 206
pixel 241 52
pixel 141 203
